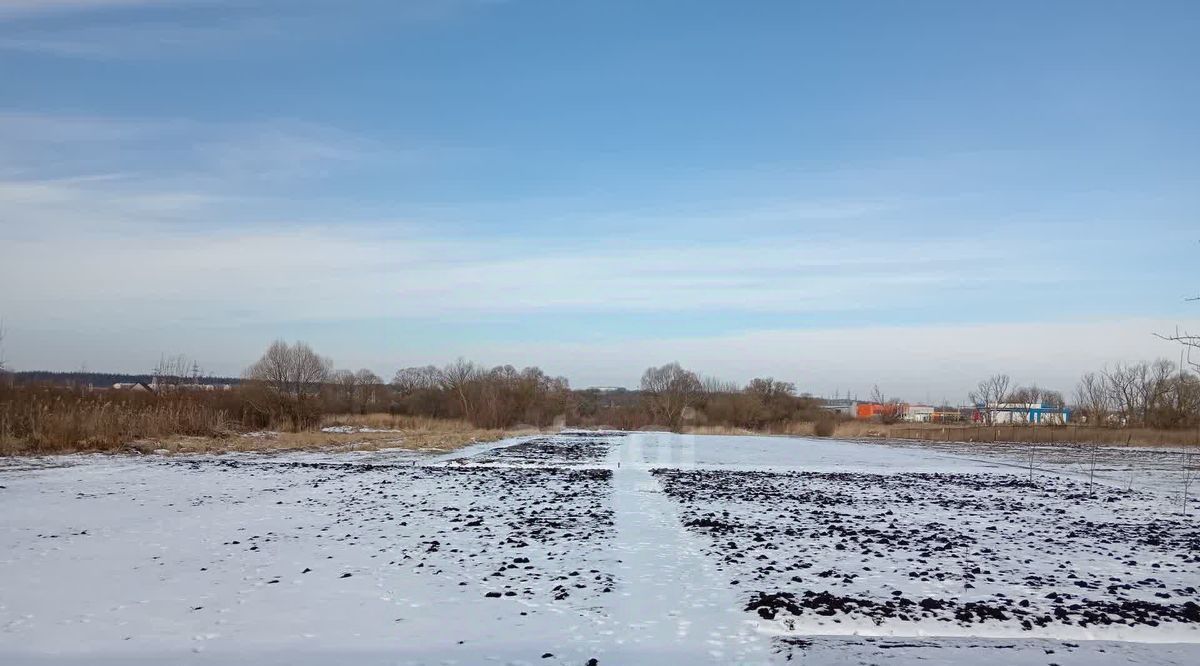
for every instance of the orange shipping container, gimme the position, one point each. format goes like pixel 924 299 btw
pixel 867 410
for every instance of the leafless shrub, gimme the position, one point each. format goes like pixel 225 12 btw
pixel 825 426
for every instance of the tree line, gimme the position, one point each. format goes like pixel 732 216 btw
pixel 293 387
pixel 291 383
pixel 1158 394
pixel 294 384
pixel 1150 394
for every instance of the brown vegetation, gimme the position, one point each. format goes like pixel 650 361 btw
pixel 288 395
pixel 1142 437
pixel 825 426
pixel 383 432
pixel 1151 395
pixel 47 419
pixel 1021 433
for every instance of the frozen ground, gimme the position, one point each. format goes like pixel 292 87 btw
pixel 626 549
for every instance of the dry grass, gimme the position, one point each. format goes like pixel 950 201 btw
pixel 269 442
pixel 62 423
pixel 391 422
pixel 715 430
pixel 1069 434
pixel 400 432
pixel 970 433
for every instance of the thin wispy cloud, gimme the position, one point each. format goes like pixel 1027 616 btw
pixel 206 153
pixel 135 29
pixel 436 178
pixel 148 38
pixel 367 271
pixel 32 7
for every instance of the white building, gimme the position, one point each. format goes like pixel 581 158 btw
pixel 1019 413
pixel 918 413
pixel 845 407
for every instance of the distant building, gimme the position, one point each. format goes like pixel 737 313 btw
pixel 844 407
pixel 902 411
pixel 192 387
pixel 950 415
pixel 868 410
pixel 1016 413
pixel 133 386
pixel 918 413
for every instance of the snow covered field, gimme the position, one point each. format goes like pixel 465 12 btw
pixel 623 548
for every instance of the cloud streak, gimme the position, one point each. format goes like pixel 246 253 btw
pixel 45 147
pixel 40 6
pixel 350 271
pixel 182 28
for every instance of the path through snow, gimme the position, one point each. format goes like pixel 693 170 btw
pixel 672 599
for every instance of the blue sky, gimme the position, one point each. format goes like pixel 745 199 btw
pixel 840 193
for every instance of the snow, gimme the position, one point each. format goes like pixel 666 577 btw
pixel 674 601
pixel 242 558
pixel 354 430
pixel 262 434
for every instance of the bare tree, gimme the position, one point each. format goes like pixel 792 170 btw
pixel 419 391
pixel 669 391
pixel 1189 341
pixel 890 410
pixel 1136 390
pixel 1053 399
pixel 718 386
pixel 410 380
pixel 1180 405
pixel 368 386
pixel 767 401
pixel 174 371
pixel 1121 382
pixel 1025 395
pixel 990 392
pixel 771 388
pixel 1031 394
pixel 1152 385
pixel 345 383
pixel 1093 398
pixel 294 374
pixel 2 344
pixel 457 378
